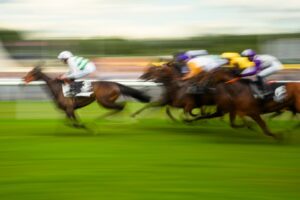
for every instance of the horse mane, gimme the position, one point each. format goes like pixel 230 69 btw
pixel 233 74
pixel 39 70
pixel 176 67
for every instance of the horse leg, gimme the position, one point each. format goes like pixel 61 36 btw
pixel 149 105
pixel 203 110
pixel 257 118
pixel 218 113
pixel 276 114
pixel 72 117
pixel 168 111
pixel 106 103
pixel 188 111
pixel 297 105
pixel 232 117
pixel 296 111
pixel 248 124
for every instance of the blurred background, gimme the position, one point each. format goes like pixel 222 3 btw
pixel 122 37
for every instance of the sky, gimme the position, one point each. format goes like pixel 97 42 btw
pixel 148 19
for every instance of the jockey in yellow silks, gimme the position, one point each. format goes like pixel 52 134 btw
pixel 236 61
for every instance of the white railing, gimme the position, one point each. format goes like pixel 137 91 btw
pixel 129 82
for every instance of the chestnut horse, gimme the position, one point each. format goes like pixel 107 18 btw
pixel 235 96
pixel 175 91
pixel 104 92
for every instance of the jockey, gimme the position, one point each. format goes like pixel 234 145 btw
pixel 264 65
pixel 79 67
pixel 183 57
pixel 236 61
pixel 190 54
pixel 203 63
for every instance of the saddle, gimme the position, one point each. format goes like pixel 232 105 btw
pixel 195 89
pixel 270 91
pixel 77 89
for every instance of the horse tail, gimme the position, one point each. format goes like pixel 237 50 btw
pixel 128 91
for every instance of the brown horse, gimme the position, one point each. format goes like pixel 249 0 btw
pixel 175 91
pixel 104 92
pixel 235 96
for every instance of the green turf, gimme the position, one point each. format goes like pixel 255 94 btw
pixel 147 158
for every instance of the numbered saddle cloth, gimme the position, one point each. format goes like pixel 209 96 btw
pixel 77 89
pixel 272 91
pixel 279 92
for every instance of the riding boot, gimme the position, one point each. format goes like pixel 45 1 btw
pixel 260 87
pixel 260 83
pixel 263 86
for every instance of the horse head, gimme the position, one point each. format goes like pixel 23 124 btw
pixel 33 75
pixel 157 73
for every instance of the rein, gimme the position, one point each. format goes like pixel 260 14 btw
pixel 233 80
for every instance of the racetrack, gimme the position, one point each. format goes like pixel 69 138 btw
pixel 149 157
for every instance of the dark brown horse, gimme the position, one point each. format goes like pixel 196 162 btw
pixel 235 96
pixel 104 92
pixel 175 91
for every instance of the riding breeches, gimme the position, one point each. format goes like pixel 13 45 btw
pixel 265 72
pixel 270 70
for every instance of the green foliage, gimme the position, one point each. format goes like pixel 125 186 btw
pixel 10 35
pixel 214 44
pixel 122 47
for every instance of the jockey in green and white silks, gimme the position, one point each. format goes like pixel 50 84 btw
pixel 78 66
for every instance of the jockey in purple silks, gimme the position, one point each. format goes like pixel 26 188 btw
pixel 184 57
pixel 264 65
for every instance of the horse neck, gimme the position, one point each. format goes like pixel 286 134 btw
pixel 224 77
pixel 234 88
pixel 171 82
pixel 53 85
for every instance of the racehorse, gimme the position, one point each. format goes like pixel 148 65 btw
pixel 104 92
pixel 175 91
pixel 235 96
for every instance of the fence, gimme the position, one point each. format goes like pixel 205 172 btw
pixel 16 89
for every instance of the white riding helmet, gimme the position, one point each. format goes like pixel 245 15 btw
pixel 64 55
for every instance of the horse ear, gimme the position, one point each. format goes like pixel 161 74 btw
pixel 39 65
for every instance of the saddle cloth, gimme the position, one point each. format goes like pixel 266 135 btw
pixel 273 91
pixel 77 89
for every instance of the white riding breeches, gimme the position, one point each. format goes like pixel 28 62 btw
pixel 270 70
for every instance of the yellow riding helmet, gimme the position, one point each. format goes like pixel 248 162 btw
pixel 242 62
pixel 230 56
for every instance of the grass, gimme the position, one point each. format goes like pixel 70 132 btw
pixel 149 157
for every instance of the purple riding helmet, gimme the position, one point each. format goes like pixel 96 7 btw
pixel 182 57
pixel 257 62
pixel 249 53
